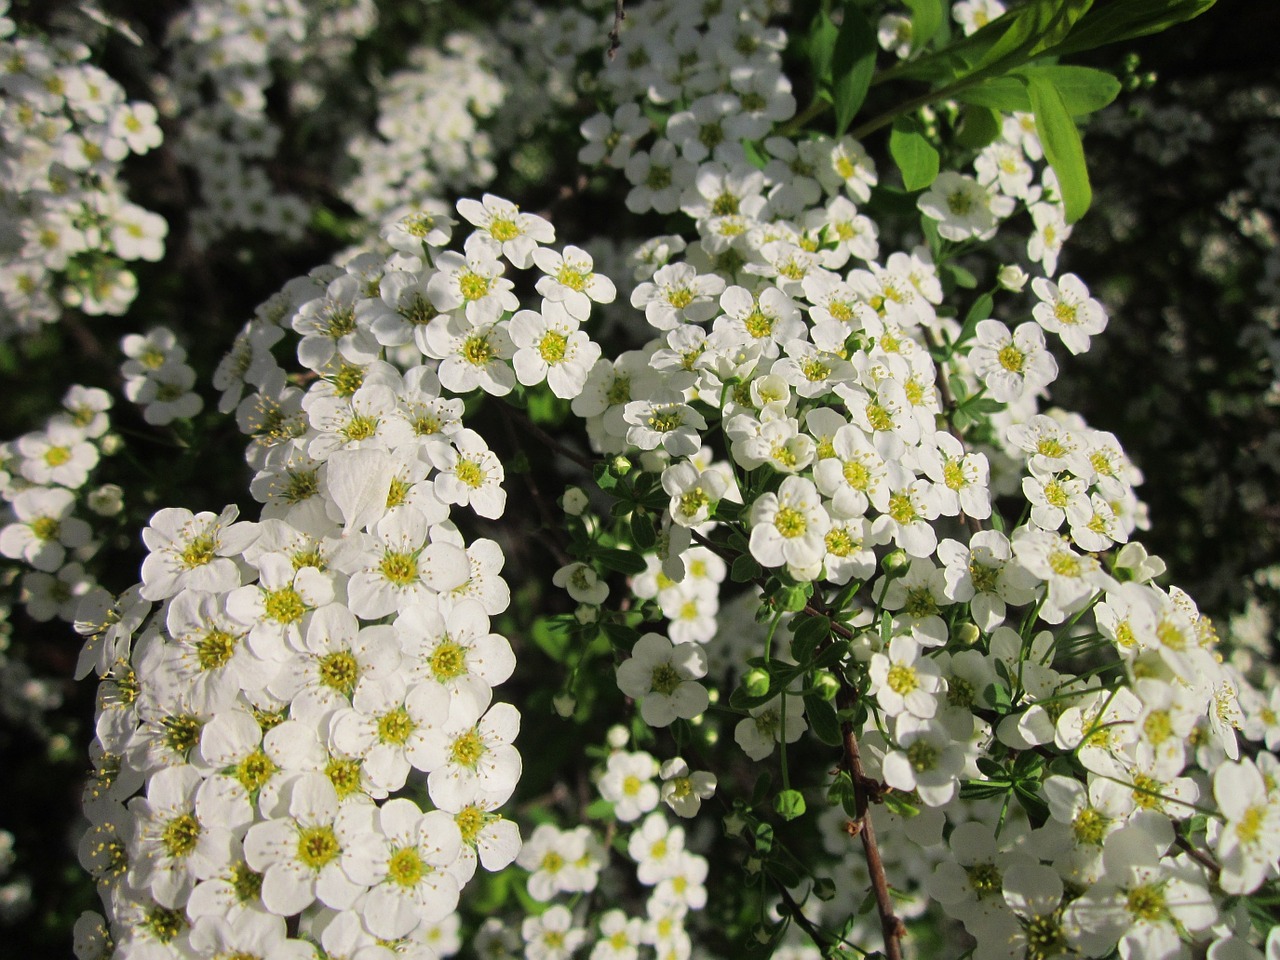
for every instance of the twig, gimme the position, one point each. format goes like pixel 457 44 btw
pixel 545 514
pixel 891 926
pixel 866 790
pixel 1199 856
pixel 615 35
pixel 823 941
pixel 543 437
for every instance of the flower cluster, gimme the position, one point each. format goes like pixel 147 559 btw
pixel 839 538
pixel 224 60
pixel 429 143
pixel 69 227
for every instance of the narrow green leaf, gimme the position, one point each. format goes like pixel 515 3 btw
pixel 642 531
pixel 1083 89
pixel 623 561
pixel 822 47
pixel 980 311
pixel 1127 20
pixel 852 64
pixel 744 569
pixel 822 720
pixel 811 632
pixel 926 18
pixel 914 155
pixel 1062 147
pixel 1034 27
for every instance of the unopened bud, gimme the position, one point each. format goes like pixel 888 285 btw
pixel 1012 277
pixel 620 466
pixel 111 444
pixel 586 613
pixel 967 634
pixel 107 500
pixel 895 562
pixel 574 501
pixel 826 685
pixel 618 736
pixel 565 704
pixel 756 682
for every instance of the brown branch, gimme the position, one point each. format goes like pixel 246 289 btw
pixel 543 437
pixel 866 790
pixel 1198 855
pixel 615 35
pixel 891 925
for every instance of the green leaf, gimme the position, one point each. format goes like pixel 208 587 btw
pixel 642 531
pixel 852 64
pixel 1126 20
pixel 744 569
pixel 926 18
pixel 810 632
pixel 1031 29
pixel 914 155
pixel 623 561
pixel 1062 147
pixel 600 810
pixel 1084 90
pixel 552 635
pixel 981 310
pixel 822 47
pixel 979 126
pixel 822 720
pixel 789 804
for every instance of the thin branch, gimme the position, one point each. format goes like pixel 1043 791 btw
pixel 615 35
pixel 543 437
pixel 823 941
pixel 866 790
pixel 891 926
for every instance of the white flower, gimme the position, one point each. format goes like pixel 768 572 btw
pixel 470 474
pixel 963 207
pixel 781 718
pixel 788 528
pixel 550 347
pixel 505 229
pixel 901 681
pixel 1066 309
pixel 1249 845
pixel 399 566
pixel 193 551
pixel 683 790
pixel 404 867
pixel 663 677
pixel 1012 364
pixel 627 783
pixel 552 935
pixel 678 294
pixel 301 855
pixel 570 279
pixel 582 583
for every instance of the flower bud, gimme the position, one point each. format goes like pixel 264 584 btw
pixel 756 682
pixel 967 634
pixel 1012 277
pixel 107 500
pixel 586 613
pixel 618 736
pixel 826 685
pixel 620 466
pixel 895 562
pixel 111 444
pixel 565 704
pixel 574 501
